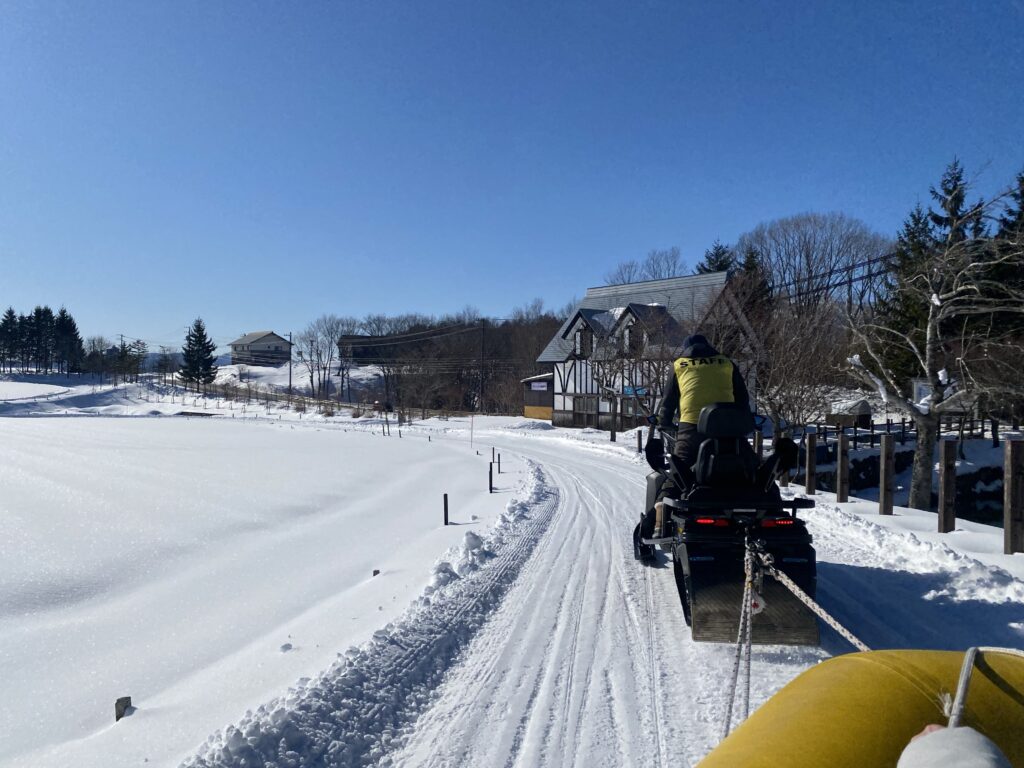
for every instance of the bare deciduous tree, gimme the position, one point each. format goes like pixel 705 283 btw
pixel 624 272
pixel 798 361
pixel 657 265
pixel 818 257
pixel 965 304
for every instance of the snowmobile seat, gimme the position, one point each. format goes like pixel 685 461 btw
pixel 725 459
pixel 725 420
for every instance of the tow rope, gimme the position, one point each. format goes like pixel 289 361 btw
pixel 756 563
pixel 744 636
pixel 768 563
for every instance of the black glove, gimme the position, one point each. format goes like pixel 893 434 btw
pixel 652 420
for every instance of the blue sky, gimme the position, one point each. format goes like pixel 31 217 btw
pixel 259 163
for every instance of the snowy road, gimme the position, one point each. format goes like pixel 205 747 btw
pixel 588 661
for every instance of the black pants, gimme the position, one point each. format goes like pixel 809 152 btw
pixel 684 453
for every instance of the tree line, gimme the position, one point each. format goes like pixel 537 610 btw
pixel 41 341
pixel 462 361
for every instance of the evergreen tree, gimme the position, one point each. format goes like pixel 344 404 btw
pixel 718 258
pixel 1009 239
pixel 24 341
pixel 69 351
pixel 953 220
pixel 138 351
pixel 123 365
pixel 41 340
pixel 754 288
pixel 198 365
pixel 8 339
pixel 1011 223
pixel 903 310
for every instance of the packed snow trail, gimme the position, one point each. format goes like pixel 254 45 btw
pixel 588 661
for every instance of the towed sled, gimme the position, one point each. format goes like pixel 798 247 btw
pixel 733 504
pixel 861 709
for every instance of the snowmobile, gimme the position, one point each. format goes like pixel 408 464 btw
pixel 732 501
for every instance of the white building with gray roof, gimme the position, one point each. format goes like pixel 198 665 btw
pixel 613 353
pixel 261 348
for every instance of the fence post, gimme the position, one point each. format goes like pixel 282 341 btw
pixel 639 437
pixel 784 479
pixel 995 433
pixel 499 463
pixel 490 477
pixel 843 468
pixel 947 486
pixel 759 445
pixel 446 509
pixel 810 462
pixel 903 431
pixel 887 475
pixel 871 435
pixel 856 437
pixel 1013 497
pixel 122 707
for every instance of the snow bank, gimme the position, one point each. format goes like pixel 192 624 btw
pixel 532 424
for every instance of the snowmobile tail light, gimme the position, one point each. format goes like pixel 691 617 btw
pixel 721 521
pixel 772 522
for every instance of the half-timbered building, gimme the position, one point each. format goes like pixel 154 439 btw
pixel 612 356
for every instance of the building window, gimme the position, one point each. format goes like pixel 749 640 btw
pixel 584 342
pixel 634 341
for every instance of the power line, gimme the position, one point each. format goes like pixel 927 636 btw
pixel 849 268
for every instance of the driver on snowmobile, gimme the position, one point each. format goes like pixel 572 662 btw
pixel 700 376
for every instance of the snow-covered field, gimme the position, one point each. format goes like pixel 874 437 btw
pixel 219 571
pixel 275 378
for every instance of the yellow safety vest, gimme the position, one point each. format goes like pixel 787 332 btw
pixel 702 381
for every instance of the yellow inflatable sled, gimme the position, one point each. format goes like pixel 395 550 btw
pixel 861 710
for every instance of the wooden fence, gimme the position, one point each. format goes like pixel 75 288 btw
pixel 848 438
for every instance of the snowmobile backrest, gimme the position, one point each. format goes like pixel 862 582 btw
pixel 723 462
pixel 725 420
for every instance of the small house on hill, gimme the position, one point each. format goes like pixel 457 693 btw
pixel 260 348
pixel 612 355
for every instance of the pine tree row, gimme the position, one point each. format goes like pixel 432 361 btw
pixel 41 341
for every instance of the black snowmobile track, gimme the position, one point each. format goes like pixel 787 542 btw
pixel 715 613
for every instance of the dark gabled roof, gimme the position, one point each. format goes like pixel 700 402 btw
pixel 655 319
pixel 593 318
pixel 252 338
pixel 685 299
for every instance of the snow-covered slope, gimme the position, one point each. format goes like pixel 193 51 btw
pixel 219 571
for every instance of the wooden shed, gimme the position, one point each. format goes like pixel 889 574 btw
pixel 539 396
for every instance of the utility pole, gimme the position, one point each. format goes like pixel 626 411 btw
pixel 289 366
pixel 483 332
